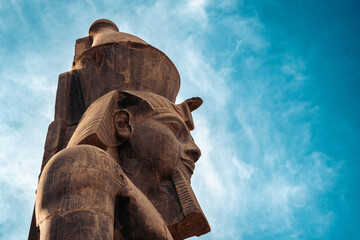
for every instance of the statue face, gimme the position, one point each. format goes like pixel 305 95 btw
pixel 159 157
pixel 164 139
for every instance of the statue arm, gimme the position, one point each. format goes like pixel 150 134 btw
pixel 77 195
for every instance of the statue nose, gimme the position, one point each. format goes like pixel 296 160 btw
pixel 194 152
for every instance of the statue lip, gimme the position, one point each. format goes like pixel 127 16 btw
pixel 189 164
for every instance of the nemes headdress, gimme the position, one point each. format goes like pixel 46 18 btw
pixel 96 126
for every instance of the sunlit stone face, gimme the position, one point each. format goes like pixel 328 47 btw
pixel 164 139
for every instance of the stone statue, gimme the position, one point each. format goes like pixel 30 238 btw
pixel 119 155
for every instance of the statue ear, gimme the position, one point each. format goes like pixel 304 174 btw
pixel 122 125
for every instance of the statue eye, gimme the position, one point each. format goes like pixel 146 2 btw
pixel 177 128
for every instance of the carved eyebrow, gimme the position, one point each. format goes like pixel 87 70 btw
pixel 170 118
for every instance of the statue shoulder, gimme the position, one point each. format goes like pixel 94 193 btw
pixel 84 157
pixel 81 176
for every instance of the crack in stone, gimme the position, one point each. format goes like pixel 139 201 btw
pixel 93 210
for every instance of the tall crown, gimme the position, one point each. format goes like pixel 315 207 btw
pixel 109 60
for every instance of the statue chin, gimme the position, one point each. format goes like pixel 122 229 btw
pixel 173 198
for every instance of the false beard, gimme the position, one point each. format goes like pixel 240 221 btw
pixel 194 222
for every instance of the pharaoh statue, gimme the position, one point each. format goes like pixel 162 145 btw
pixel 119 155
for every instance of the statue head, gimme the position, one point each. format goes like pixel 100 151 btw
pixel 149 136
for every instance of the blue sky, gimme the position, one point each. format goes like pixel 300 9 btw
pixel 278 128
